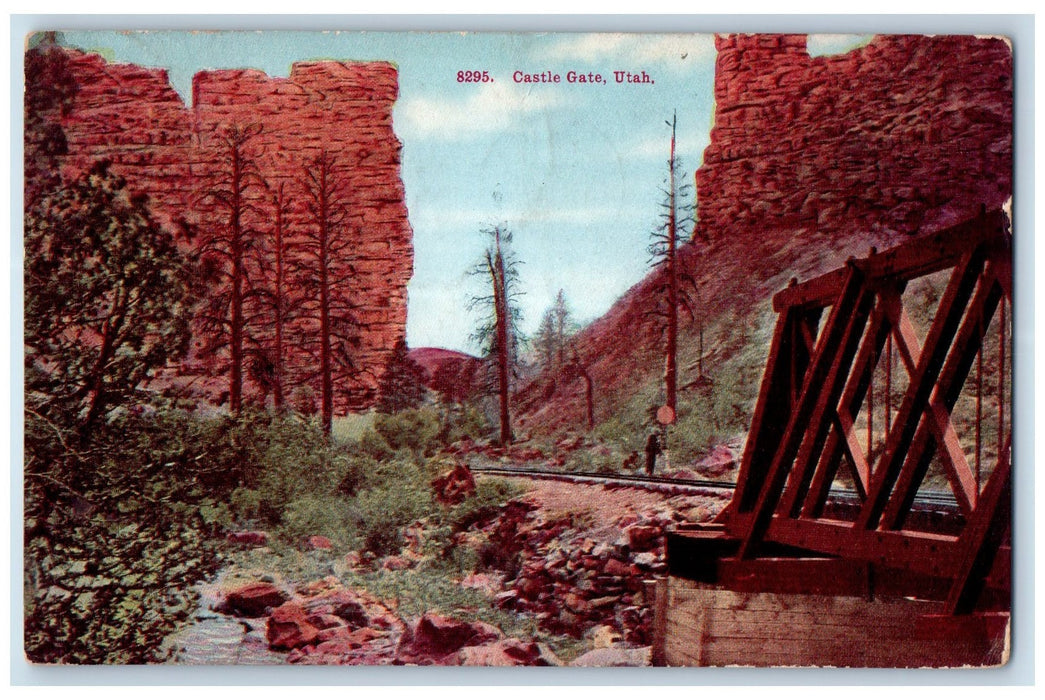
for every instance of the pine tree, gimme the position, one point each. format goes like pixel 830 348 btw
pixel 553 335
pixel 106 300
pixel 277 301
pixel 402 387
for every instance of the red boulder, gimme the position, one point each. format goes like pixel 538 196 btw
pixel 435 636
pixel 643 537
pixel 289 628
pixel 253 599
pixel 454 486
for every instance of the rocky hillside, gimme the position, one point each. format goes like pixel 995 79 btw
pixel 811 160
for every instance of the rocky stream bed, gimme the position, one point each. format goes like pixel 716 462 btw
pixel 570 559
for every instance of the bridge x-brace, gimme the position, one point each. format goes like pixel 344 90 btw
pixel 813 434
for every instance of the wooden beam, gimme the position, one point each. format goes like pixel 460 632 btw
pixel 811 405
pixel 907 550
pixel 810 576
pixel 946 388
pixel 853 392
pixel 922 256
pixel 982 538
pixel 963 481
pixel 824 476
pixel 768 417
pixel 945 325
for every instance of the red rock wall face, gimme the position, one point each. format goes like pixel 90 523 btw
pixel 906 134
pixel 133 117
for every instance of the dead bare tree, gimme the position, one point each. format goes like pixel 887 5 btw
pixel 675 230
pixel 327 269
pixel 498 330
pixel 225 245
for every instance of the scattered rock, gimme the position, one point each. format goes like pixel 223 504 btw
pixel 718 462
pixel 253 538
pixel 289 627
pixel 394 562
pixel 435 636
pixel 487 583
pixel 603 637
pixel 615 567
pixel 614 656
pixel 323 621
pixel 643 537
pixel 454 486
pixel 504 652
pixel 319 542
pixel 344 604
pixel 254 599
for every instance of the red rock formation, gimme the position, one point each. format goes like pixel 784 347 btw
pixel 131 116
pixel 811 160
pixel 906 134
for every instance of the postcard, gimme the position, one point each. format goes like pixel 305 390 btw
pixel 515 349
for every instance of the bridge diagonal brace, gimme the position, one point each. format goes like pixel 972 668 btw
pixel 945 391
pixel 982 539
pixel 822 387
pixel 945 325
pixel 910 353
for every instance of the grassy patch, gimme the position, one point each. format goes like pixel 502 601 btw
pixel 349 429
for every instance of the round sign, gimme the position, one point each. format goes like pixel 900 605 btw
pixel 665 415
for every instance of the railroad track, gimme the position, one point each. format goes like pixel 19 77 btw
pixel 594 477
pixel 925 500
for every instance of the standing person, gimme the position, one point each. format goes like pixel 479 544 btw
pixel 652 450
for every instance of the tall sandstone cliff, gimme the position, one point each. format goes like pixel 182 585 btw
pixel 132 117
pixel 906 134
pixel 810 160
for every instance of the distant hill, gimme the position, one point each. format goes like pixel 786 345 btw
pixel 453 374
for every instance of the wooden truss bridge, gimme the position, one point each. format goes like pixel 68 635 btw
pixel 889 377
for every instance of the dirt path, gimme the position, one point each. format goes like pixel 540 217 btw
pixel 606 504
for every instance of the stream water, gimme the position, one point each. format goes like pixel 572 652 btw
pixel 213 638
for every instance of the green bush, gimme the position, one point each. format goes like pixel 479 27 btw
pixel 420 432
pixel 328 516
pixel 373 445
pixel 246 503
pixel 117 531
pixel 463 421
pixel 415 430
pixel 490 495
pixel 399 495
pixel 116 534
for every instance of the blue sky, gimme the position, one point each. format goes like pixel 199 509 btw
pixel 573 170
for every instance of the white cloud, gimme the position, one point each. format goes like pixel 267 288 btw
pixel 494 107
pixel 690 145
pixel 465 217
pixel 677 51
pixel 828 44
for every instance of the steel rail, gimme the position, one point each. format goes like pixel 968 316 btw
pixel 928 499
